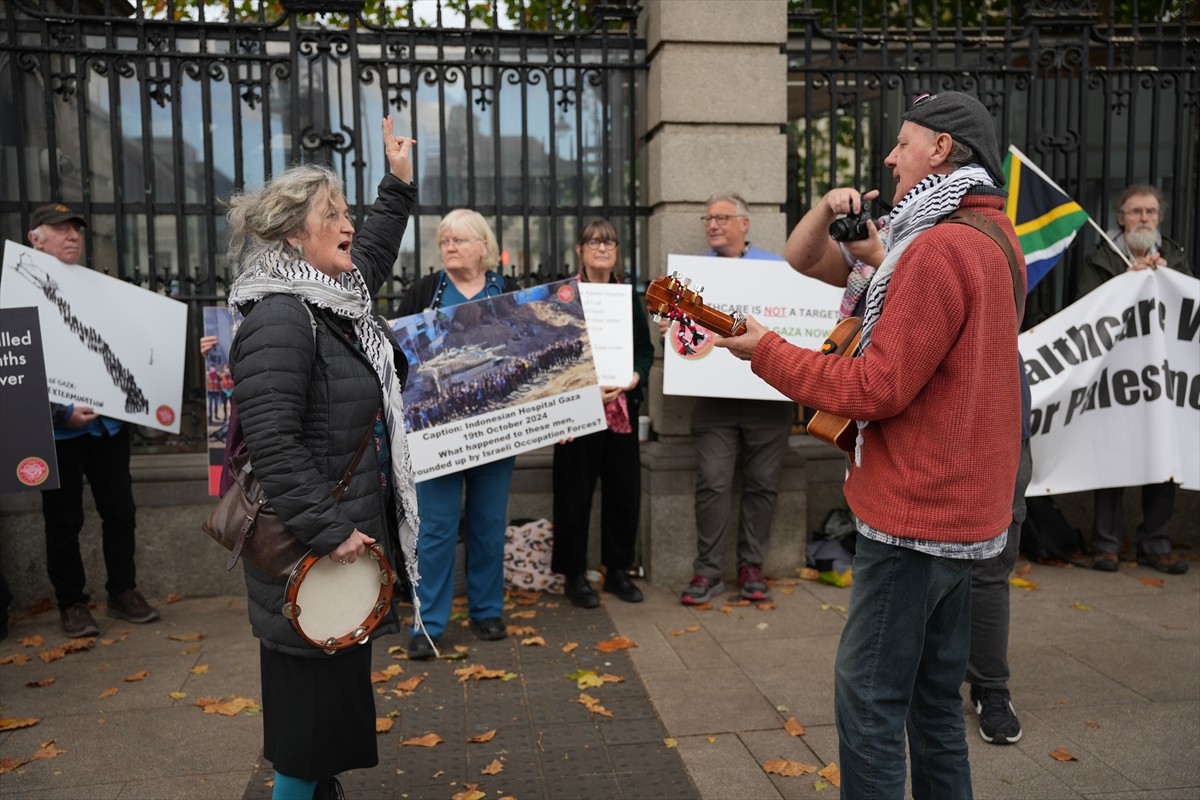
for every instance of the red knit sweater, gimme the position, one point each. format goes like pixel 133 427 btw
pixel 939 383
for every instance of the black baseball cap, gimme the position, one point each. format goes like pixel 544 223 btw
pixel 53 214
pixel 966 120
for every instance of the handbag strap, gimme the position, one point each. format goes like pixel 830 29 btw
pixel 340 488
pixel 981 223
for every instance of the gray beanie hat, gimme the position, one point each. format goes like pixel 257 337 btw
pixel 966 120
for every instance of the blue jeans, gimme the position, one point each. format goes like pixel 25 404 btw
pixel 901 660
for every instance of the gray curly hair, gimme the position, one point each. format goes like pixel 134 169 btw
pixel 260 221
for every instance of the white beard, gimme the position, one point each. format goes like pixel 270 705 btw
pixel 1141 242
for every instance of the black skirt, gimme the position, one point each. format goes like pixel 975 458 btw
pixel 318 713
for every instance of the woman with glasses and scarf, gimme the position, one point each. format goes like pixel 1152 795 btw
pixel 315 376
pixel 470 255
pixel 610 455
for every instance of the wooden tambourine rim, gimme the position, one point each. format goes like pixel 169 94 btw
pixel 360 633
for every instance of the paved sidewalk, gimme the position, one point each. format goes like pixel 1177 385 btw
pixel 1105 666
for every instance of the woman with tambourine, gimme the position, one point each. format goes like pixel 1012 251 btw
pixel 317 377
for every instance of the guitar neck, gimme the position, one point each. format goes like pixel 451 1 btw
pixel 673 297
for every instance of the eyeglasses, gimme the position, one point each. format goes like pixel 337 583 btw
pixel 596 244
pixel 720 219
pixel 458 243
pixel 1141 212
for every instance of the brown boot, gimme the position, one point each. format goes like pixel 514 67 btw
pixel 77 621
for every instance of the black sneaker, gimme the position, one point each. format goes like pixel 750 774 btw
pixel 77 621
pixel 580 592
pixel 420 648
pixel 617 582
pixel 998 723
pixel 490 629
pixel 131 606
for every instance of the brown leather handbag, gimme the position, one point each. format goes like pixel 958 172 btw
pixel 246 525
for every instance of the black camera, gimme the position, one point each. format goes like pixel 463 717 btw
pixel 852 229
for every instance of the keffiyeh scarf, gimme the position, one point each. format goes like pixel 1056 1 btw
pixel 349 297
pixel 925 205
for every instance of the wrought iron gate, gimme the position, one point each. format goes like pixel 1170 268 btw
pixel 146 114
pixel 1100 95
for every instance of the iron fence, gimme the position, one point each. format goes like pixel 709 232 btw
pixel 1099 95
pixel 146 115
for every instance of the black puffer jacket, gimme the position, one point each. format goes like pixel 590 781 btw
pixel 306 398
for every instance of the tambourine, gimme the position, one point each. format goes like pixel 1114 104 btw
pixel 335 606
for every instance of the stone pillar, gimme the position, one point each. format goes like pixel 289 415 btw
pixel 716 107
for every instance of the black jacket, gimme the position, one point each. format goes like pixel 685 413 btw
pixel 306 397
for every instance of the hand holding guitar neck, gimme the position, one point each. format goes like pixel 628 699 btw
pixel 672 297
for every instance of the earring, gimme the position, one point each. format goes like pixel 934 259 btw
pixel 300 249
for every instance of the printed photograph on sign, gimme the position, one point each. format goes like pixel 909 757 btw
pixel 496 377
pixel 125 364
pixel 218 388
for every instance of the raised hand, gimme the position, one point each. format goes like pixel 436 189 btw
pixel 399 152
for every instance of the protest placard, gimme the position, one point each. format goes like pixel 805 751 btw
pixel 609 312
pixel 27 457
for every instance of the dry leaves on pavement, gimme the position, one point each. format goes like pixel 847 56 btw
pixel 530 614
pixel 614 644
pixel 570 647
pixel 1091 723
pixel 13 723
pixel 194 636
pixel 409 685
pixel 479 672
pixel 483 737
pixel 471 792
pixel 831 773
pixel 525 597
pixel 137 676
pixel 1155 582
pixel 228 708
pixel 533 641
pixel 494 768
pixel 521 630
pixel 1022 583
pixel 787 768
pixel 109 692
pixel 41 684
pixel 1063 754
pixel 593 705
pixel 199 669
pixel 47 750
pixel 386 674
pixel 1081 606
pixel 793 727
pixel 428 740
pixel 383 724
pixel 73 646
pixel 31 641
pixel 15 658
pixel 173 598
pixel 688 629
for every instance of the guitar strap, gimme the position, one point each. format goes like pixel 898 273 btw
pixel 982 223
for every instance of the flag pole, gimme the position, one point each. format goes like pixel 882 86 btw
pixel 1111 243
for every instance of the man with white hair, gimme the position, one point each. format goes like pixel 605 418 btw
pixel 97 447
pixel 938 405
pixel 1139 212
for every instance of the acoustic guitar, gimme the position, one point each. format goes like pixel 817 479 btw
pixel 673 296
pixel 830 428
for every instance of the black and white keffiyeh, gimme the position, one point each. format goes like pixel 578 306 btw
pixel 925 205
pixel 349 297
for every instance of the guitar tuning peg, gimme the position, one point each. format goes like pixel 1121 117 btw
pixel 687 282
pixel 699 288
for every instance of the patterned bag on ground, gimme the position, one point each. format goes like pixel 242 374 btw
pixel 528 546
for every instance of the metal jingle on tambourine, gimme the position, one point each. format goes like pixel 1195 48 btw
pixel 290 610
pixel 359 632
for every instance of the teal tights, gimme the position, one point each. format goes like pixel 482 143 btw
pixel 289 788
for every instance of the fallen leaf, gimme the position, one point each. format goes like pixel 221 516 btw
pixel 13 723
pixel 187 637
pixel 787 591
pixel 410 684
pixel 470 793
pixel 762 626
pixel 47 750
pixel 593 705
pixel 670 743
pixel 820 786
pixel 1092 724
pixel 383 724
pixel 570 647
pixel 478 672
pixel 608 678
pixel 1022 583
pixel 764 606
pixel 494 768
pixel 1155 582
pixel 793 727
pixel 614 644
pixel 523 614
pixel 833 607
pixel 199 669
pixel 712 739
pixel 15 658
pixel 386 674
pixel 1024 570
pixel 483 737
pixel 189 651
pixel 428 740
pixel 461 648
pixel 786 768
pixel 44 682
pixel 174 597
pixel 1062 754
pixel 109 692
pixel 809 574
pixel 521 630
pixel 397 649
pixel 737 603
pixel 1081 607
pixel 532 641
pixel 227 708
pixel 137 676
pixel 176 695
pixel 31 641
pixel 438 774
pixel 73 646
pixel 831 773
pixel 525 597
pixel 588 680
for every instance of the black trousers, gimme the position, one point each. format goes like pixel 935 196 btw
pixel 613 458
pixel 104 460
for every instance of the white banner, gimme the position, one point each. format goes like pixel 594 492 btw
pixel 109 344
pixel 800 309
pixel 1116 386
pixel 497 377
pixel 608 308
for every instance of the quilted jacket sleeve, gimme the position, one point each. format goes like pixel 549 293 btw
pixel 377 242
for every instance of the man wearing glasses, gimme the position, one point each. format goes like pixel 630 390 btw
pixel 722 427
pixel 939 407
pixel 1138 238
